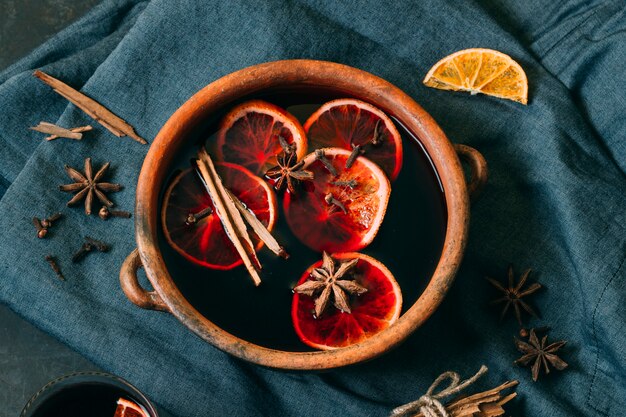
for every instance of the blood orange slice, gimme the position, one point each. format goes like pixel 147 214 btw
pixel 338 213
pixel 371 312
pixel 347 122
pixel 193 229
pixel 249 135
pixel 127 408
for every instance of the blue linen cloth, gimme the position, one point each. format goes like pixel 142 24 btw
pixel 555 201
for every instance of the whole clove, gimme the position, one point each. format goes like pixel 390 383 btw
pixel 193 218
pixel 42 225
pixel 82 252
pixel 376 140
pixel 105 213
pixel 352 183
pixel 55 266
pixel 356 151
pixel 377 137
pixel 90 245
pixel 320 156
pixel 331 200
pixel 41 231
pixel 49 221
pixel 97 244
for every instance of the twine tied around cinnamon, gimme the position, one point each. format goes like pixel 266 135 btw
pixel 429 404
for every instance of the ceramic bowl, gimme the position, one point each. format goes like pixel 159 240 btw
pixel 298 75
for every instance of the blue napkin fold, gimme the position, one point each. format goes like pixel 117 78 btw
pixel 554 202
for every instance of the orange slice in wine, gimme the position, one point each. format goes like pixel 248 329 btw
pixel 127 408
pixel 250 133
pixel 192 227
pixel 480 70
pixel 347 122
pixel 342 212
pixel 371 312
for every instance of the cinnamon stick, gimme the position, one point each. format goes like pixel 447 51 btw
pixel 95 110
pixel 259 228
pixel 58 131
pixel 79 129
pixel 229 215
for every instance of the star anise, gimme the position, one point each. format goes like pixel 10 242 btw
pixel 514 293
pixel 288 172
pixel 540 353
pixel 87 185
pixel 331 283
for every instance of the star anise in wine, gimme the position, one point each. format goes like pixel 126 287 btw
pixel 540 353
pixel 87 185
pixel 331 283
pixel 288 172
pixel 513 294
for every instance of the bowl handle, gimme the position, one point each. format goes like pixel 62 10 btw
pixel 478 169
pixel 130 285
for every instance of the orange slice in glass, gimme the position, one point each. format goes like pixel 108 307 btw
pixel 480 70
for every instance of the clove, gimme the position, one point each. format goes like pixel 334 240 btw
pixel 48 222
pixel 98 244
pixel 352 183
pixel 377 137
pixel 42 226
pixel 192 218
pixel 356 151
pixel 331 200
pixel 375 140
pixel 82 252
pixel 55 267
pixel 41 231
pixel 89 245
pixel 320 156
pixel 104 213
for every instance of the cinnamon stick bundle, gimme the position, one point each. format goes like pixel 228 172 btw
pixel 484 404
pixel 229 215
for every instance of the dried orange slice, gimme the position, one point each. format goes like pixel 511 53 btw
pixel 127 408
pixel 249 135
pixel 480 70
pixel 191 226
pixel 370 312
pixel 338 211
pixel 347 122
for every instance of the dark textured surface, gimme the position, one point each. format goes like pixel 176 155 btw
pixel 24 24
pixel 28 357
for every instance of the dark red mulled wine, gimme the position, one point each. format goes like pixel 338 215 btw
pixel 409 243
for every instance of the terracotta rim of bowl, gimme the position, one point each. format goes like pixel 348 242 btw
pixel 273 75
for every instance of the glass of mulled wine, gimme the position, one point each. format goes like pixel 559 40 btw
pixel 93 394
